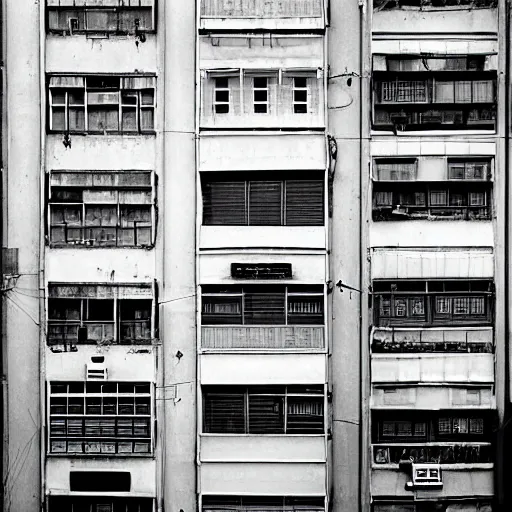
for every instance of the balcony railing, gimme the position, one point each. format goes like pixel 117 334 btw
pixel 462 453
pixel 442 340
pixel 264 338
pixel 261 8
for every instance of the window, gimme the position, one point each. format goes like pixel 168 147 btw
pixel 262 305
pixel 433 303
pixel 412 93
pixel 458 200
pixel 101 209
pixel 264 410
pixel 246 98
pixel 221 100
pixel 396 170
pixel 101 104
pixel 229 200
pixel 300 95
pixel 262 503
pixel 425 436
pixel 100 418
pixel 479 170
pixel 100 314
pixel 260 94
pixel 111 16
pixel 99 504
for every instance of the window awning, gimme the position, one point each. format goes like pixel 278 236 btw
pixel 99 291
pixel 67 81
pixel 430 264
pixel 100 3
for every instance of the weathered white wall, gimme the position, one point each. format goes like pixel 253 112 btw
pixel 431 233
pixel 259 448
pixel 220 237
pixel 457 483
pixel 117 54
pixel 268 369
pixel 459 46
pixel 22 209
pixel 444 145
pixel 306 268
pixel 261 152
pixel 435 22
pixel 431 398
pixel 260 51
pixel 433 368
pixel 264 479
pixel 100 265
pixel 142 471
pixel 123 363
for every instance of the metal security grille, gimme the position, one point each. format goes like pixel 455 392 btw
pixel 100 418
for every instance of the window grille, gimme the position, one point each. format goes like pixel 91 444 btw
pixel 99 504
pixel 97 419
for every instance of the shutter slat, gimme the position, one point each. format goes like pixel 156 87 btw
pixel 304 203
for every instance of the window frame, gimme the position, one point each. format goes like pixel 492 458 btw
pixel 432 317
pixel 117 189
pixel 119 10
pixel 117 294
pixel 395 106
pixel 106 400
pixel 241 292
pixel 299 89
pixel 283 394
pixel 286 198
pixel 102 91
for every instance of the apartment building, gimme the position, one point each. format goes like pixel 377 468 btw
pixel 254 255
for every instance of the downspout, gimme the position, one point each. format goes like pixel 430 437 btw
pixel 503 498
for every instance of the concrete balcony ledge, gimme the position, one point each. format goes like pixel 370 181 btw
pixel 262 338
pixel 432 368
pixel 263 448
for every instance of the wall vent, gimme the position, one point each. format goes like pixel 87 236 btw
pixel 96 370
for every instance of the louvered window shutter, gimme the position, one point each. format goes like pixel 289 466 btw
pixel 264 308
pixel 224 413
pixel 208 88
pixel 224 203
pixel 304 203
pixel 265 203
pixel 248 106
pixel 305 415
pixel 273 96
pixel 266 414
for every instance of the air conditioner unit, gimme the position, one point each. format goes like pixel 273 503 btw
pixel 96 369
pixel 425 476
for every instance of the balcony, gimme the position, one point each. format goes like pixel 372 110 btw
pixel 262 338
pixel 443 453
pixel 414 93
pixel 262 14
